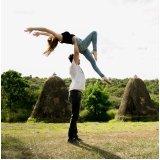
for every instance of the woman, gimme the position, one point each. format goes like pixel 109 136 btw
pixel 68 38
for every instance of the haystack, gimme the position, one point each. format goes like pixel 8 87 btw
pixel 136 103
pixel 52 104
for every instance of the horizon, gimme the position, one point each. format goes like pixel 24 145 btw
pixel 85 78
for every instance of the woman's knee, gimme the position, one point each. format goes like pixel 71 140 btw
pixel 94 32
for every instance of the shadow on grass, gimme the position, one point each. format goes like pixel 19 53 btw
pixel 101 152
pixel 12 148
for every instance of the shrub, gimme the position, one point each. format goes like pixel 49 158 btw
pixel 19 115
pixel 116 102
pixel 85 115
pixel 112 113
pixel 155 103
pixel 96 101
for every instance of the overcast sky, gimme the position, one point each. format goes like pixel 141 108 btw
pixel 128 36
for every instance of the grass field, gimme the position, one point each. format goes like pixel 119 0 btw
pixel 112 140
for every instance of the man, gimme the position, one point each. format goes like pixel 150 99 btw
pixel 75 95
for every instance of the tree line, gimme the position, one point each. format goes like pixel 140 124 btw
pixel 19 95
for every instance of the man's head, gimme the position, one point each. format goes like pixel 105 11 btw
pixel 71 58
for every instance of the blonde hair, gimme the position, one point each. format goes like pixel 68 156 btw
pixel 52 44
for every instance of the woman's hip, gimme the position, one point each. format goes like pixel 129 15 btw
pixel 81 46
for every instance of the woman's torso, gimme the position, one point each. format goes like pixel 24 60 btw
pixel 68 38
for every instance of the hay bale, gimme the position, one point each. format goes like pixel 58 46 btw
pixel 136 103
pixel 52 104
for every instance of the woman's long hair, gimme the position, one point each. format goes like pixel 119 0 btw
pixel 52 44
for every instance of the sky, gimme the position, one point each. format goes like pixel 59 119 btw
pixel 128 36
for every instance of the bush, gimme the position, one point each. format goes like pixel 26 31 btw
pixel 155 103
pixel 85 115
pixel 20 115
pixel 112 114
pixel 96 101
pixel 115 102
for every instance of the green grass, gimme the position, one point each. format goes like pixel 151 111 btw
pixel 112 140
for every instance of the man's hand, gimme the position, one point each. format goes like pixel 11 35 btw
pixel 29 30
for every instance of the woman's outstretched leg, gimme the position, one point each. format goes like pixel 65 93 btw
pixel 90 58
pixel 92 37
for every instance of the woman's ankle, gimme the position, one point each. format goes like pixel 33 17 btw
pixel 104 78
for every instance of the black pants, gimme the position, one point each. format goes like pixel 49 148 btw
pixel 75 98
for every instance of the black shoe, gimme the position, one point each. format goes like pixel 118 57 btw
pixel 78 139
pixel 73 141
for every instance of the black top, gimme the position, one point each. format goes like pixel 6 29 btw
pixel 67 37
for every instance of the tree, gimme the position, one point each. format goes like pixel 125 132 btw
pixel 96 101
pixel 13 87
pixel 67 82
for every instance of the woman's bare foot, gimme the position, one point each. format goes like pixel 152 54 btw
pixel 106 80
pixel 94 54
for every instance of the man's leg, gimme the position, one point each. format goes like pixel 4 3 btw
pixel 75 99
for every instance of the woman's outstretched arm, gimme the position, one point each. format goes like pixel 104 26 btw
pixel 41 33
pixel 56 35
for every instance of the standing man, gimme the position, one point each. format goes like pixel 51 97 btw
pixel 75 94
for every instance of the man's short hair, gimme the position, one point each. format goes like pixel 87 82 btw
pixel 71 57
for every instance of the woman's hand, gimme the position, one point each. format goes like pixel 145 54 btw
pixel 36 34
pixel 29 30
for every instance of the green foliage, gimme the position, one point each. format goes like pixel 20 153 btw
pixel 96 101
pixel 112 114
pixel 116 101
pixel 18 97
pixel 152 86
pixel 21 93
pixel 155 102
pixel 86 116
pixel 35 82
pixel 67 82
pixel 118 85
pixel 90 81
pixel 13 87
pixel 18 115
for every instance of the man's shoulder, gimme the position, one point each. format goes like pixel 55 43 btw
pixel 73 64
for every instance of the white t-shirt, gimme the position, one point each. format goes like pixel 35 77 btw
pixel 77 76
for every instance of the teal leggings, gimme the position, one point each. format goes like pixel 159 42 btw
pixel 83 48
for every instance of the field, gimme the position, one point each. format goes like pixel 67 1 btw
pixel 112 140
